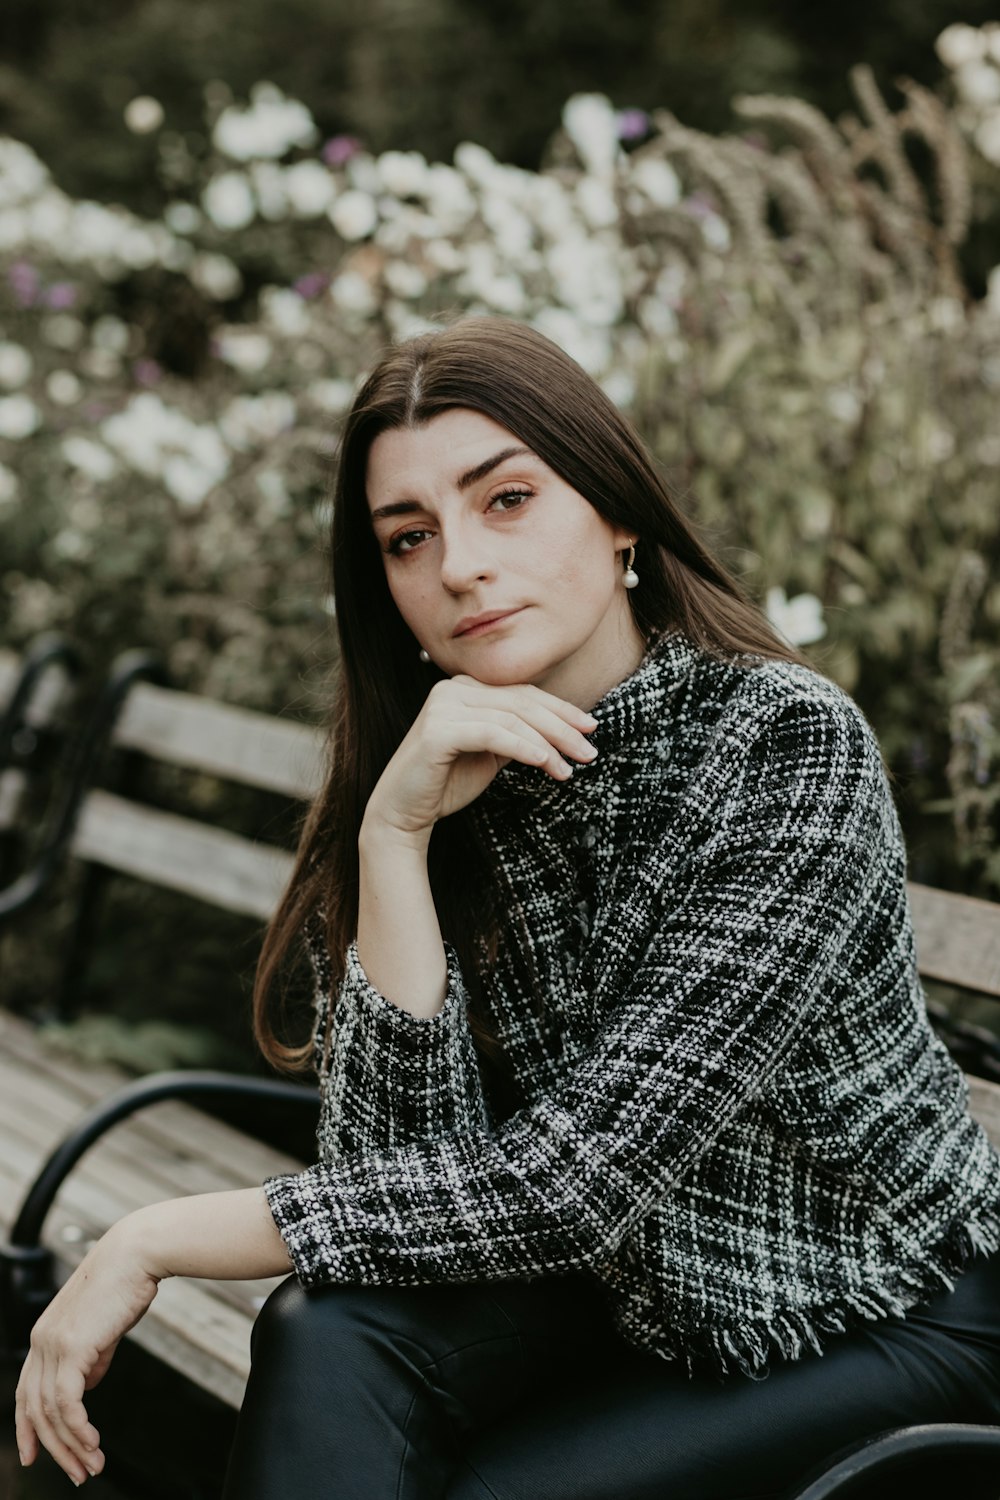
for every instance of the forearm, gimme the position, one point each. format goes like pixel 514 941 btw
pixel 399 937
pixel 225 1236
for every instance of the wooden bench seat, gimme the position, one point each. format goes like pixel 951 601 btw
pixel 200 1328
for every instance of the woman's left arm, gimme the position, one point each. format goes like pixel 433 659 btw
pixel 226 1236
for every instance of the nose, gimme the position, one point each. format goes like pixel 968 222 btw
pixel 465 559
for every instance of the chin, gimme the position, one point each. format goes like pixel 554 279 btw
pixel 506 665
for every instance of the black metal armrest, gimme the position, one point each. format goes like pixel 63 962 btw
pixel 876 1458
pixel 27 1268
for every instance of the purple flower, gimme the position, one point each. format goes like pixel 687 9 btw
pixel 61 295
pixel 147 372
pixel 24 282
pixel 340 148
pixel 633 124
pixel 312 285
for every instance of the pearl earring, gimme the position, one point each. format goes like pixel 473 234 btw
pixel 424 656
pixel 630 577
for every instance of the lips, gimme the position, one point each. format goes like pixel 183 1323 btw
pixel 476 624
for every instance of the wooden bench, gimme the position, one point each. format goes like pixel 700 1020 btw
pixel 202 1328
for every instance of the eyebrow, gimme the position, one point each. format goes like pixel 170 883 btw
pixel 463 482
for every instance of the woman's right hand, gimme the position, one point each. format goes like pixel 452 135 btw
pixel 465 732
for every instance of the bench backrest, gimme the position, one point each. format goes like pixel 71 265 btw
pixel 958 937
pixel 183 853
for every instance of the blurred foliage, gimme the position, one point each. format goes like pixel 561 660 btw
pixel 782 309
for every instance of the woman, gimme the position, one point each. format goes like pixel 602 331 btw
pixel 640 1169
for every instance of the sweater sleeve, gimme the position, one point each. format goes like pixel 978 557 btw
pixel 391 1077
pixel 746 946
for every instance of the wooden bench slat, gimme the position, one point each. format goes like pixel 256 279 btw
pixel 958 938
pixel 217 866
pixel 234 743
pixel 170 1123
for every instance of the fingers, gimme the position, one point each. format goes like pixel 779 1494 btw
pixel 49 1411
pixel 541 718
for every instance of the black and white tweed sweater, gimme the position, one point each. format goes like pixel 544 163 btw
pixel 736 1114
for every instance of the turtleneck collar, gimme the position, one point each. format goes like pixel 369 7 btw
pixel 629 716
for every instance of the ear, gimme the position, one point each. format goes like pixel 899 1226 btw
pixel 625 539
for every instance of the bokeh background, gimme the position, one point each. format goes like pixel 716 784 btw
pixel 771 231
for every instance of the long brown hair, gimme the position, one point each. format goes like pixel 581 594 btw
pixel 530 386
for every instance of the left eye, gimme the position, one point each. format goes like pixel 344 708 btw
pixel 512 495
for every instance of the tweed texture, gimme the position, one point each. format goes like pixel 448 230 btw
pixel 734 1112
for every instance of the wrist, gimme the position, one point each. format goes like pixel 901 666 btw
pixel 377 836
pixel 138 1238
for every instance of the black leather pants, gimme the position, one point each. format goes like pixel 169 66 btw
pixel 523 1390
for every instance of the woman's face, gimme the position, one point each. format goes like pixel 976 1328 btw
pixel 471 523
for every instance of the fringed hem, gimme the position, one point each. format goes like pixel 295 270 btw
pixel 750 1348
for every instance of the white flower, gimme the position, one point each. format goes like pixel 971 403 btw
pixel 182 218
pixel 715 232
pixel 592 126
pixel 590 347
pixel 449 200
pixel 799 620
pixel 657 179
pixel 49 218
pixel 269 187
pixel 19 417
pixel 978 83
pixel 959 44
pixel 619 386
pixel 284 311
pixel 63 388
pixel 91 458
pixel 63 331
pixel 988 138
pixel 404 279
pixel 331 395
pixel 403 173
pixel 249 421
pixel 844 403
pixel 16 364
pixel 9 485
pixel 70 544
pixel 243 349
pixel 267 130
pixel 350 292
pixel 586 275
pixel 353 215
pixel 162 442
pixel 143 114
pixel 597 203
pixel 14 228
pixel 478 164
pixel 111 333
pixel 310 188
pixel 993 290
pixel 94 232
pixel 277 501
pixel 186 480
pixel 22 174
pixel 216 276
pixel 229 201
